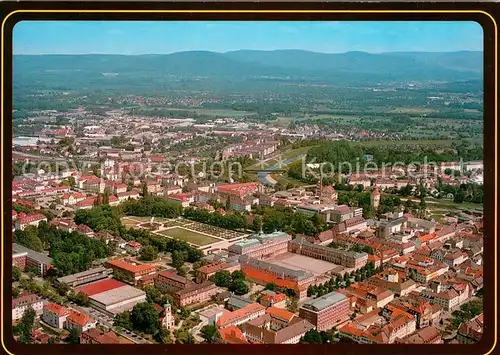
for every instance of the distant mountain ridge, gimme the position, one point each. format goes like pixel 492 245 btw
pixel 243 64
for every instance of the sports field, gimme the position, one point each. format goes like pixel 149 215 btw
pixel 188 236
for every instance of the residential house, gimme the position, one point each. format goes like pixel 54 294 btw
pixel 23 220
pixel 23 302
pixel 80 322
pixel 55 315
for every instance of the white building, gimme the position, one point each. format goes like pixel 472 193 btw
pixel 25 301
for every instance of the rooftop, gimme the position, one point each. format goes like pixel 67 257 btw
pixel 75 277
pixel 79 319
pixel 117 295
pixel 133 267
pixel 280 313
pixel 324 301
pixel 240 313
pixel 17 248
pixel 100 286
pixel 232 335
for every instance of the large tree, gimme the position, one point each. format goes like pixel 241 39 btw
pixel 144 317
pixel 73 337
pixel 25 326
pixel 238 274
pixel 239 287
pixel 16 273
pixel 178 258
pixel 221 278
pixel 123 320
pixel 149 253
pixel 163 336
pixel 311 337
pixel 210 334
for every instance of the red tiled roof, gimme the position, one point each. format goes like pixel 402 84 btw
pixel 79 319
pixel 22 219
pixel 156 159
pixel 84 228
pixel 280 313
pixel 101 337
pixel 57 309
pixel 100 286
pixel 232 335
pixel 266 299
pixel 239 314
pixel 179 197
pixel 173 276
pixel 89 201
pixel 134 244
pixel 138 267
pixel 213 267
pixel 74 194
pixel 255 274
pixel 239 189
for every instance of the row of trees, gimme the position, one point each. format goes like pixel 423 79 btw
pixel 234 221
pixel 339 282
pixel 468 192
pixel 338 152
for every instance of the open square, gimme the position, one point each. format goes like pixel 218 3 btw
pixel 301 262
pixel 188 236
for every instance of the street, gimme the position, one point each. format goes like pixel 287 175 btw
pixel 107 321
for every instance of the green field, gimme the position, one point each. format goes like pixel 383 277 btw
pixel 442 204
pixel 284 156
pixel 188 236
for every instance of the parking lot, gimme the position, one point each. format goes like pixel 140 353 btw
pixel 107 321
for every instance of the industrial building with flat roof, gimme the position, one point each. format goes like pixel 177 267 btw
pixel 84 277
pixel 117 300
pixel 111 296
pixel 326 311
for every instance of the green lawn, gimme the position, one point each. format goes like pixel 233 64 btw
pixel 432 202
pixel 409 142
pixel 188 236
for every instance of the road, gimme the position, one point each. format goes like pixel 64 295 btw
pixel 195 331
pixel 36 157
pixel 107 321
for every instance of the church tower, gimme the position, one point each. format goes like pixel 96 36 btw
pixel 375 197
pixel 168 320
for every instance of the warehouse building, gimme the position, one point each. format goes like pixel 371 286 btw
pixel 111 296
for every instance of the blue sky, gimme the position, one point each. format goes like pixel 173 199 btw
pixel 155 37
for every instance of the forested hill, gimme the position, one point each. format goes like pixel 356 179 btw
pixel 153 70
